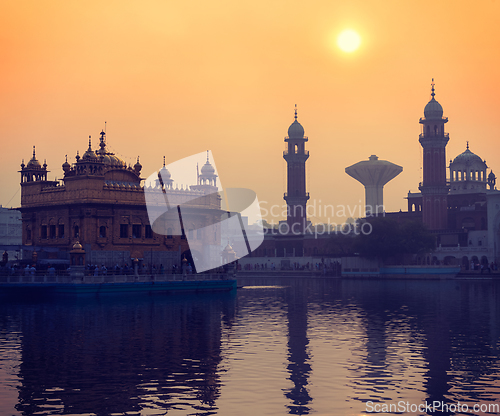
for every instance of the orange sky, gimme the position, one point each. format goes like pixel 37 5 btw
pixel 177 78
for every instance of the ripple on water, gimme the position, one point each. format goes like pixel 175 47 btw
pixel 306 346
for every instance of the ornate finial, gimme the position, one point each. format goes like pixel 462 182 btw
pixel 102 143
pixel 163 161
pixel 432 88
pixel 492 180
pixel 90 143
pixel 137 159
pixel 44 163
pixel 467 145
pixel 34 152
pixel 295 112
pixel 207 157
pixel 66 158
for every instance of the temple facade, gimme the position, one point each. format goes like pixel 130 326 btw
pixel 100 203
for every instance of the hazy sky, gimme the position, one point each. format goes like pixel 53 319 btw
pixel 177 78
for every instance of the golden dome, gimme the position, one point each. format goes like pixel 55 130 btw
pixel 77 246
pixel 34 163
pixel 89 154
pixel 66 166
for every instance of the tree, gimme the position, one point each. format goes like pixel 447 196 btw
pixel 340 244
pixel 388 239
pixel 416 238
pixel 383 241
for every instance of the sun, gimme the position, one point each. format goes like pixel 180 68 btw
pixel 348 40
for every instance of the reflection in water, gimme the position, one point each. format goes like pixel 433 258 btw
pixel 450 324
pixel 292 346
pixel 298 367
pixel 116 355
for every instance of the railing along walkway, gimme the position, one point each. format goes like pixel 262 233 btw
pixel 50 279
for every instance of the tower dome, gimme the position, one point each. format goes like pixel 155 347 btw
pixel 433 110
pixel 468 158
pixel 468 173
pixel 296 131
pixel 137 166
pixel 66 166
pixel 207 168
pixel 34 163
pixel 89 154
pixel 207 175
pixel 164 177
pixel 164 172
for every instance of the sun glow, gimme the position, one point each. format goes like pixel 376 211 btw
pixel 348 40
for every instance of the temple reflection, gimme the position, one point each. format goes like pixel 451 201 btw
pixel 166 354
pixel 302 347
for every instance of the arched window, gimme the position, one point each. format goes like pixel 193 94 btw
pixel 136 230
pixel 102 231
pixel 76 231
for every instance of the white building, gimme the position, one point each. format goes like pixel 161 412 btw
pixel 10 232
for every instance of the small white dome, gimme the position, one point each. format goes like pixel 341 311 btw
pixel 207 169
pixel 164 173
pixel 467 158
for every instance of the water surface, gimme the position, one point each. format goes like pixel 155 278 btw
pixel 276 347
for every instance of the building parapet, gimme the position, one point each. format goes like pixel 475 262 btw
pixel 462 249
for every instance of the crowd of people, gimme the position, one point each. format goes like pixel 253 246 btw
pixel 332 267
